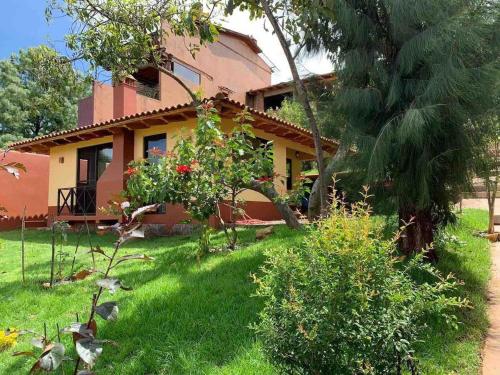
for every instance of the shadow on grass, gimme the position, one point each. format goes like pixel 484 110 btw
pixel 201 323
pixel 182 317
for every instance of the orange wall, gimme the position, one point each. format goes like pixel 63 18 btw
pixel 229 62
pixel 31 189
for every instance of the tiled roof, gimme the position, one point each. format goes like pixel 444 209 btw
pixel 280 85
pixel 166 111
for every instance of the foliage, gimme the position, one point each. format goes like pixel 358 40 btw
pixel 342 302
pixel 291 111
pixel 120 35
pixel 411 74
pixel 485 134
pixel 330 121
pixel 174 291
pixel 39 95
pixel 205 171
pixel 87 346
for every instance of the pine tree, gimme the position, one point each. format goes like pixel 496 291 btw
pixel 412 73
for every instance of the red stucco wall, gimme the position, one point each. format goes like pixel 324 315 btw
pixel 30 190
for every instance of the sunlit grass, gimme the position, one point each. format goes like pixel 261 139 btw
pixel 185 317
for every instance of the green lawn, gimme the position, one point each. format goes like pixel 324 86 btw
pixel 188 318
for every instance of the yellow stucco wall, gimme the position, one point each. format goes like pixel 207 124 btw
pixel 64 175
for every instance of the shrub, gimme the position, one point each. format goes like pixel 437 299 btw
pixel 342 302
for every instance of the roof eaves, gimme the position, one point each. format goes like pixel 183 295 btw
pixel 162 111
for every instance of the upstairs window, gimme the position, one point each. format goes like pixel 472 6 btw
pixel 184 72
pixel 148 82
pixel 274 101
pixel 155 146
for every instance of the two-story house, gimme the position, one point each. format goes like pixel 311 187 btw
pixel 121 122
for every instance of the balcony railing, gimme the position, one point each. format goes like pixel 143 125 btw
pixel 80 200
pixel 149 90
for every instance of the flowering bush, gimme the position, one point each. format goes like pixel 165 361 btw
pixel 183 169
pixel 206 170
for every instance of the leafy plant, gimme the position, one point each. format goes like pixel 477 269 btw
pixel 206 171
pixel 60 228
pixel 343 302
pixel 88 347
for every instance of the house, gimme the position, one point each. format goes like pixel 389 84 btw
pixel 27 195
pixel 271 96
pixel 120 123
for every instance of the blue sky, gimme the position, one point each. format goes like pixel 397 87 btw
pixel 23 25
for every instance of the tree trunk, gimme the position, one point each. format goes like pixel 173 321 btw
pixel 314 207
pixel 303 98
pixel 285 210
pixel 419 232
pixel 491 218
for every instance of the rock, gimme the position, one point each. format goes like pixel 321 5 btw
pixel 493 237
pixel 260 234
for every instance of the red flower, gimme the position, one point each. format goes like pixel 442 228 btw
pixel 131 171
pixel 207 106
pixel 183 169
pixel 264 179
pixel 155 151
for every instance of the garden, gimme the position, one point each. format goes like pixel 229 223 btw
pixel 186 316
pixel 385 276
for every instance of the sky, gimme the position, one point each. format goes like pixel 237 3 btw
pixel 23 25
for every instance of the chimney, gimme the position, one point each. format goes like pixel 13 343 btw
pixel 124 98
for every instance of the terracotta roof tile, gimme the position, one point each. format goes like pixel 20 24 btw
pixel 166 110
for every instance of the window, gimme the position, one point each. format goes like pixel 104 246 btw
pixel 289 183
pixel 148 82
pixel 184 72
pixel 92 162
pixel 155 146
pixel 274 101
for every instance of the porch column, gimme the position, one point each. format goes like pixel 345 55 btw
pixel 280 167
pixel 113 180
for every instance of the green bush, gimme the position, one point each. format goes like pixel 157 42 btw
pixel 342 302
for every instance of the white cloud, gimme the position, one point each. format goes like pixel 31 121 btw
pixel 239 21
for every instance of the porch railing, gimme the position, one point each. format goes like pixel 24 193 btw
pixel 79 200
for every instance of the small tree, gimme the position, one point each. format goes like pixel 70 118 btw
pixel 486 134
pixel 205 171
pixel 88 347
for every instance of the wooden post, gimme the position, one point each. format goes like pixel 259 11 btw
pixel 53 254
pixel 90 242
pixel 76 249
pixel 23 227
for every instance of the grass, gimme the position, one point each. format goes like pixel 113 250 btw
pixel 188 318
pixel 448 351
